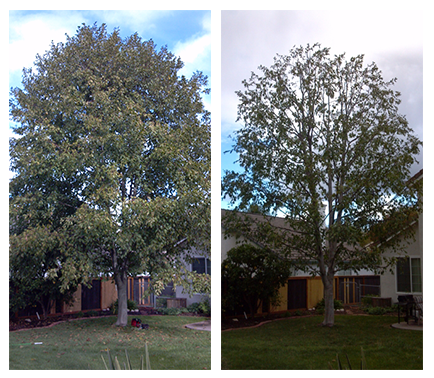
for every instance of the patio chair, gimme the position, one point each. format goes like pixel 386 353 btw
pixel 418 299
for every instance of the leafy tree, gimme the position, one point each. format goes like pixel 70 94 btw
pixel 35 274
pixel 323 143
pixel 112 157
pixel 251 276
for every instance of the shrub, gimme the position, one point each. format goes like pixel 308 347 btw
pixel 203 307
pixel 91 313
pixel 172 310
pixel 194 308
pixel 251 275
pixel 321 304
pixel 161 302
pixel 131 305
pixel 367 301
pixel 376 310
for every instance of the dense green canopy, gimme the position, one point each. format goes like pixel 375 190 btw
pixel 113 154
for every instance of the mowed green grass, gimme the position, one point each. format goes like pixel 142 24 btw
pixel 302 344
pixel 79 344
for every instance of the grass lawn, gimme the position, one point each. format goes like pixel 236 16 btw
pixel 79 344
pixel 302 344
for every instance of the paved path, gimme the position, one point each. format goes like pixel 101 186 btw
pixel 201 326
pixel 412 327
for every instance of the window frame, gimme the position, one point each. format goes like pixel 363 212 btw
pixel 206 263
pixel 411 274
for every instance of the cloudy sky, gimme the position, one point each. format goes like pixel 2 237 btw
pixel 391 39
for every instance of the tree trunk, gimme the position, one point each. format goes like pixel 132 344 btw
pixel 121 284
pixel 44 311
pixel 329 308
pixel 45 305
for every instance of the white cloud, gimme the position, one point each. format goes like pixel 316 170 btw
pixel 30 38
pixel 195 53
pixel 134 20
pixel 32 33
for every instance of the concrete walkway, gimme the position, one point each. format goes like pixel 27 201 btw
pixel 412 327
pixel 201 326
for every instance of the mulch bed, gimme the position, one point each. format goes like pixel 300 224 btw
pixel 34 322
pixel 242 322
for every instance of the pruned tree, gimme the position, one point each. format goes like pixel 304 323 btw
pixel 323 142
pixel 252 276
pixel 113 155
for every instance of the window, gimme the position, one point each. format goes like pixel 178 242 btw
pixel 409 275
pixel 202 265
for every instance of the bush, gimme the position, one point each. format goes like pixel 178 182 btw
pixel 321 305
pixel 194 308
pixel 131 305
pixel 367 301
pixel 91 313
pixel 203 307
pixel 172 310
pixel 369 309
pixel 376 310
pixel 161 302
pixel 251 275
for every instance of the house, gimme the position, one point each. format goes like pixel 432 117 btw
pixel 302 290
pixel 103 293
pixel 137 286
pixel 407 273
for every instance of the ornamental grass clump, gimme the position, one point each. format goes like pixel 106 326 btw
pixel 113 363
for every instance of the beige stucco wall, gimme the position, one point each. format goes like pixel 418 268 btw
pixel 75 306
pixel 414 249
pixel 109 293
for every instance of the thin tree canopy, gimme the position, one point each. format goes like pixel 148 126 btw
pixel 112 152
pixel 323 142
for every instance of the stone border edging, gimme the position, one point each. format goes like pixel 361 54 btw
pixel 59 322
pixel 267 321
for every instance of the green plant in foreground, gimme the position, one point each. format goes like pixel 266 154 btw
pixel 113 364
pixel 340 366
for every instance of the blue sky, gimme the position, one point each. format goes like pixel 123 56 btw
pixel 185 33
pixel 391 38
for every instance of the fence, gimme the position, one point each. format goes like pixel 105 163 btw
pixel 351 290
pixel 137 288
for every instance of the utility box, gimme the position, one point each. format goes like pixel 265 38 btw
pixel 176 302
pixel 381 302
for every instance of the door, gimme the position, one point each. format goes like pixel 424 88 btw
pixel 297 294
pixel 91 297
